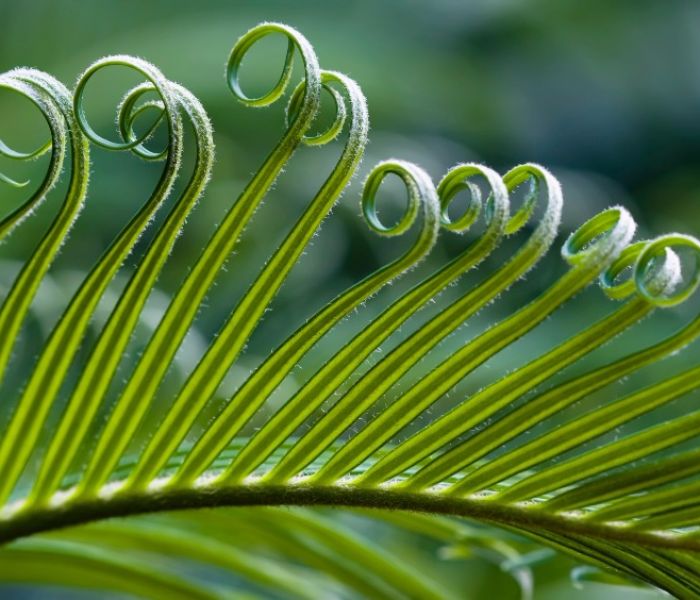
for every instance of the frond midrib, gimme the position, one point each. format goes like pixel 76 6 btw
pixel 523 516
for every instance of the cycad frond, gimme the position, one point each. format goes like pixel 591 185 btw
pixel 607 505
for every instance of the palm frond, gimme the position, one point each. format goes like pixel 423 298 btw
pixel 352 435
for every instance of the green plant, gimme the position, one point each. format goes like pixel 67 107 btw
pixel 603 505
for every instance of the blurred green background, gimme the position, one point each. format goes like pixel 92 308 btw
pixel 605 94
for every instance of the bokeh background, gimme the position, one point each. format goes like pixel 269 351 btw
pixel 605 94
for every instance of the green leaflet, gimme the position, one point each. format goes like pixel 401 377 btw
pixel 230 340
pixel 421 195
pixel 162 347
pixel 630 505
pixel 53 100
pixel 50 107
pixel 68 563
pixel 22 432
pixel 107 353
pixel 178 541
pixel 457 366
